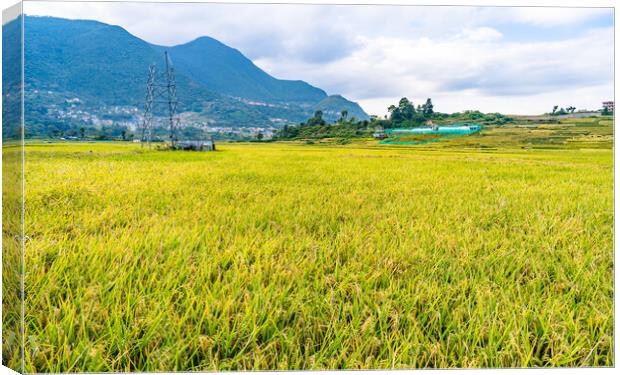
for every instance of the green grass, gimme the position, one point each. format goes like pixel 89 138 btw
pixel 482 251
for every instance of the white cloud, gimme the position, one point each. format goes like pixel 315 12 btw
pixel 480 34
pixel 463 66
pixel 550 17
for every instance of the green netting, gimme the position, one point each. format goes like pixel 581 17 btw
pixel 430 134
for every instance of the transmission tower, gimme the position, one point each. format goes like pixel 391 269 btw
pixel 161 90
pixel 173 117
pixel 147 122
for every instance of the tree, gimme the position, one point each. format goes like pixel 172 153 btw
pixel 392 108
pixel 395 115
pixel 82 132
pixel 343 116
pixel 317 119
pixel 260 136
pixel 406 108
pixel 404 112
pixel 123 134
pixel 555 108
pixel 427 108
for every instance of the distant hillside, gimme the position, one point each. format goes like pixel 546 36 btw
pixel 333 105
pixel 79 72
pixel 226 70
pixel 102 65
pixel 96 61
pixel 11 80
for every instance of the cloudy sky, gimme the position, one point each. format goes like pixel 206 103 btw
pixel 496 59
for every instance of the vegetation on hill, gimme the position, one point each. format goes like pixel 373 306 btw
pixel 570 110
pixel 226 70
pixel 11 79
pixel 562 111
pixel 316 128
pixel 403 115
pixel 333 107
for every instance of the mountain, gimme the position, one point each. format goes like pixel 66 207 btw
pixel 82 72
pixel 228 71
pixel 11 80
pixel 333 105
pixel 98 62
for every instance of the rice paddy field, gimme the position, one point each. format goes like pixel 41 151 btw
pixel 492 250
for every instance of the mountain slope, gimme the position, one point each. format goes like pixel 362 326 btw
pixel 99 62
pixel 11 79
pixel 333 105
pixel 103 66
pixel 228 71
pixel 78 72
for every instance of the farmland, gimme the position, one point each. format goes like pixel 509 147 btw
pixel 491 250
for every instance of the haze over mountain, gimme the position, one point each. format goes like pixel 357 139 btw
pixel 79 71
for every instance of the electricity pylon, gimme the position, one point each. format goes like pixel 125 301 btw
pixel 147 122
pixel 164 94
pixel 173 117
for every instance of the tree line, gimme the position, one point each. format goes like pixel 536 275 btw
pixel 557 111
pixel 562 111
pixel 402 115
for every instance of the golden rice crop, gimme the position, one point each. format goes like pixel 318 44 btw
pixel 287 256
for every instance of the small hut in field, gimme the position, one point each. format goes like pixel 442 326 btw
pixel 193 145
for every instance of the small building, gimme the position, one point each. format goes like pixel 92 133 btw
pixel 379 135
pixel 609 106
pixel 193 145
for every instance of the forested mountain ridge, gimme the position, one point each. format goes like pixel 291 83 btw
pixel 82 72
